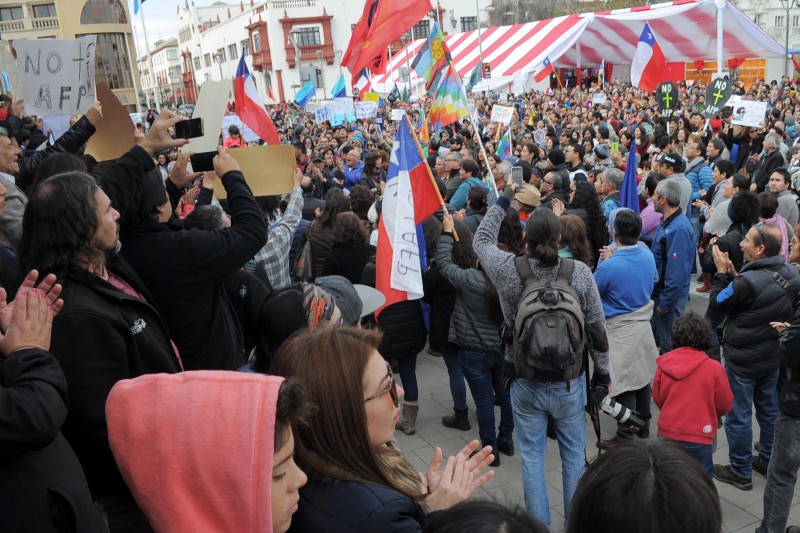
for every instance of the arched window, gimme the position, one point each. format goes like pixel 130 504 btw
pixel 103 12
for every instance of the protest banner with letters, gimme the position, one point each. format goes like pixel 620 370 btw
pixel 502 114
pixel 322 114
pixel 344 106
pixel 718 92
pixel 667 98
pixel 56 75
pixel 366 110
pixel 599 98
pixel 397 114
pixel 749 113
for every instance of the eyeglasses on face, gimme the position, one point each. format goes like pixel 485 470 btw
pixel 392 389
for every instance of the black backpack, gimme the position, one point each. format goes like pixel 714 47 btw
pixel 549 334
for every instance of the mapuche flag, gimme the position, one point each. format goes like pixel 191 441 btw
pixel 432 57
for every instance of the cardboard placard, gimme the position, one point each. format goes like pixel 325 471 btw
pixel 344 106
pixel 56 75
pixel 211 108
pixel 322 114
pixel 366 110
pixel 372 97
pixel 718 92
pixel 502 114
pixel 115 131
pixel 268 170
pixel 398 114
pixel 733 100
pixel 599 98
pixel 667 98
pixel 749 113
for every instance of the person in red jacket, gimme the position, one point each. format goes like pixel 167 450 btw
pixel 691 390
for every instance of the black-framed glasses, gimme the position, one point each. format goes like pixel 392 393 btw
pixel 392 389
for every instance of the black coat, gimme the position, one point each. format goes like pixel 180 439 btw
pixel 441 296
pixel 42 485
pixel 348 262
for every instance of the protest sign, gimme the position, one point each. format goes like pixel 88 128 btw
pixel 733 100
pixel 749 113
pixel 344 106
pixel 599 98
pixel 211 108
pixel 372 97
pixel 337 119
pixel 503 97
pixel 253 160
pixel 137 118
pixel 718 92
pixel 56 75
pixel 312 107
pixel 667 98
pixel 366 110
pixel 115 131
pixel 397 114
pixel 322 114
pixel 502 114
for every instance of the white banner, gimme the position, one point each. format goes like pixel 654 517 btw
pixel 248 134
pixel 502 114
pixel 366 110
pixel 599 98
pixel 749 113
pixel 137 118
pixel 397 114
pixel 56 76
pixel 322 114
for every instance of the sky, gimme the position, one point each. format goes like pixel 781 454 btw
pixel 161 20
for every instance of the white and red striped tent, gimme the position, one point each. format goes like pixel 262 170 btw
pixel 686 30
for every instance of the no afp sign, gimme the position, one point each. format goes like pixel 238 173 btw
pixel 56 76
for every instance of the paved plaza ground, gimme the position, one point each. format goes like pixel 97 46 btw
pixel 741 511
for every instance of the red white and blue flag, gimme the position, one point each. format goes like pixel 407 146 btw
pixel 409 199
pixel 544 70
pixel 649 67
pixel 249 106
pixel 363 85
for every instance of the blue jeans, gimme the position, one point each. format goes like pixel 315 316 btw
pixel 781 475
pixel 533 402
pixel 704 453
pixel 662 324
pixel 484 375
pixel 407 367
pixel 763 393
pixel 458 390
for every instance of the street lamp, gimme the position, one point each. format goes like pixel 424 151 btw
pixel 478 10
pixel 338 54
pixel 218 56
pixel 320 55
pixel 173 76
pixel 789 4
pixel 292 41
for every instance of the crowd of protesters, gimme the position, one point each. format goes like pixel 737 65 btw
pixel 175 362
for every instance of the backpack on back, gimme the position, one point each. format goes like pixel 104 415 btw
pixel 549 334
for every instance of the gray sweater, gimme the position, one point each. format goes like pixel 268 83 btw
pixel 499 266
pixel 471 326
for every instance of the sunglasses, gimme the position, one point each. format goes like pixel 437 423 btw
pixel 392 389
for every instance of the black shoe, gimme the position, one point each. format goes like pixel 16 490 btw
pixel 756 446
pixel 610 444
pixel 643 434
pixel 458 420
pixel 760 467
pixel 723 474
pixel 496 462
pixel 506 447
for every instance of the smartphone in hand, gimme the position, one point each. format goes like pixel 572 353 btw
pixel 189 129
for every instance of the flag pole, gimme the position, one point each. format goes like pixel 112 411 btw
pixel 486 162
pixel 555 71
pixel 428 168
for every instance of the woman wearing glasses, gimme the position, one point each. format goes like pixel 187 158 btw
pixel 358 480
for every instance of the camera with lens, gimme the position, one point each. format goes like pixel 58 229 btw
pixel 627 417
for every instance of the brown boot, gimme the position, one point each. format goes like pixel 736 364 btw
pixel 409 418
pixel 706 283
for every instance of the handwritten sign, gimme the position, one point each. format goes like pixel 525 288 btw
pixel 599 98
pixel 366 110
pixel 667 98
pixel 749 113
pixel 397 114
pixel 322 114
pixel 718 92
pixel 502 114
pixel 56 75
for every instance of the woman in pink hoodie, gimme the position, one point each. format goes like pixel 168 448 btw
pixel 691 390
pixel 209 451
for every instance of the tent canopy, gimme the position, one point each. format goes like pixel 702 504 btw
pixel 686 30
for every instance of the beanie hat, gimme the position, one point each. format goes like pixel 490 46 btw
pixel 556 156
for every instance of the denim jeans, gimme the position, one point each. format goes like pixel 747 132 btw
pixel 407 367
pixel 484 373
pixel 662 324
pixel 715 318
pixel 704 453
pixel 635 400
pixel 763 393
pixel 781 475
pixel 458 389
pixel 533 402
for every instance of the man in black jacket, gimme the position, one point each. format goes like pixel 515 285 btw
pixel 771 160
pixel 109 328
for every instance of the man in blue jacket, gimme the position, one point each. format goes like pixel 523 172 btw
pixel 673 249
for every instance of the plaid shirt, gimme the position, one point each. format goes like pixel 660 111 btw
pixel 273 259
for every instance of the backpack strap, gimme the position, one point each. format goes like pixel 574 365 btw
pixel 524 268
pixel 566 269
pixel 785 286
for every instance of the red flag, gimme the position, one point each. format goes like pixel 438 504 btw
pixel 381 23
pixel 250 108
pixel 544 71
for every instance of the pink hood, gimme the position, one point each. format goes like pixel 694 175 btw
pixel 196 448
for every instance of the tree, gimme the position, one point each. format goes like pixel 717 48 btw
pixel 507 12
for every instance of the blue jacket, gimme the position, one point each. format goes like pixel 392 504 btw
pixel 352 176
pixel 674 250
pixel 625 280
pixel 700 176
pixel 459 200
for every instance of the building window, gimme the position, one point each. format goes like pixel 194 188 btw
pixel 11 13
pixel 172 53
pixel 759 18
pixel 256 43
pixel 352 27
pixel 207 60
pixel 421 29
pixel 779 22
pixel 220 56
pixel 111 59
pixel 103 12
pixel 232 52
pixel 246 45
pixel 312 74
pixel 307 36
pixel 197 63
pixel 795 20
pixel 469 23
pixel 44 11
pixel 185 34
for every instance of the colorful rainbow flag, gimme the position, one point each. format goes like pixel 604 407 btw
pixel 504 148
pixel 432 57
pixel 450 102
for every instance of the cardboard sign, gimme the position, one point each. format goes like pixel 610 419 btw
pixel 599 98
pixel 718 92
pixel 502 114
pixel 344 105
pixel 749 113
pixel 248 135
pixel 254 159
pixel 372 97
pixel 667 98
pixel 115 131
pixel 211 108
pixel 322 114
pixel 733 100
pixel 366 110
pixel 56 75
pixel 397 115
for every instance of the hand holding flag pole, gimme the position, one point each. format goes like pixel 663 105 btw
pixel 430 174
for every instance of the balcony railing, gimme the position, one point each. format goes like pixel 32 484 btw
pixel 45 23
pixel 12 26
pixel 286 4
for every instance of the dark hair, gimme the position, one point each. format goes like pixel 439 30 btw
pixel 270 206
pixel 784 173
pixel 740 182
pixel 290 410
pixel 333 206
pixel 483 516
pixel 280 316
pixel 477 197
pixel 744 208
pixel 541 236
pixel 299 145
pixel 645 485
pixel 361 199
pixel 578 149
pixel 691 330
pixel 573 236
pixel 767 204
pixel 431 231
pixel 511 233
pixel 58 226
pixel 204 217
pixel 725 167
pixel 627 227
pixel 653 179
pixel 369 161
pixel 57 163
pixel 145 200
pixel 469 165
pixel 586 197
pixel 349 231
pixel 463 254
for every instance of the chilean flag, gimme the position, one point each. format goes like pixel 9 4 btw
pixel 249 106
pixel 544 71
pixel 409 199
pixel 363 85
pixel 649 67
